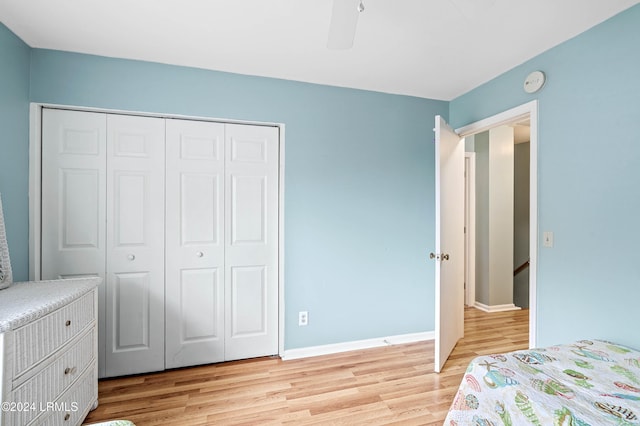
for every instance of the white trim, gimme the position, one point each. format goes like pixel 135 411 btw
pixel 281 310
pixel 471 229
pixel 496 308
pixel 506 117
pixel 155 114
pixel 335 348
pixel 35 188
pixel 518 113
pixel 35 182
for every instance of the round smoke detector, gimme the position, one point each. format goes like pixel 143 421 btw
pixel 534 82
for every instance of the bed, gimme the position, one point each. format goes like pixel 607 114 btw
pixel 589 382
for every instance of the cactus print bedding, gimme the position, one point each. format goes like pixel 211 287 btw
pixel 589 382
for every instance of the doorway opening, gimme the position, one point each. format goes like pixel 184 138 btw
pixel 497 227
pixel 523 231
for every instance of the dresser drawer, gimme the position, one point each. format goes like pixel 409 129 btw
pixel 49 383
pixel 41 338
pixel 72 407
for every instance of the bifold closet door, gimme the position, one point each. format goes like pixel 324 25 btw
pixel 195 243
pixel 74 201
pixel 251 235
pixel 222 242
pixel 104 182
pixel 103 215
pixel 135 245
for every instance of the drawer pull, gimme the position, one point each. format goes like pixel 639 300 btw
pixel 67 416
pixel 67 323
pixel 69 370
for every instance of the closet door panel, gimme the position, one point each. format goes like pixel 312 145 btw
pixel 248 210
pixel 73 178
pixel 74 200
pixel 200 291
pixel 251 249
pixel 249 303
pixel 195 243
pixel 200 210
pixel 132 300
pixel 135 251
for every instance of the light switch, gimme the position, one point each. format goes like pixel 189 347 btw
pixel 547 239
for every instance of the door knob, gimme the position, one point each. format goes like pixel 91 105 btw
pixel 443 256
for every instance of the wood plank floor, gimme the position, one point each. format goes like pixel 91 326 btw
pixel 389 385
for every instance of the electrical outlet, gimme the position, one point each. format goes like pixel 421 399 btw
pixel 303 318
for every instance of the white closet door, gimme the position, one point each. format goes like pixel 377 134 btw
pixel 195 243
pixel 251 234
pixel 135 251
pixel 73 182
pixel 73 200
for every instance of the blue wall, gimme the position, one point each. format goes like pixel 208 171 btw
pixel 359 182
pixel 588 177
pixel 14 148
pixel 359 178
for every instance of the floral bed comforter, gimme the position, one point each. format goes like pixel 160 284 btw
pixel 589 382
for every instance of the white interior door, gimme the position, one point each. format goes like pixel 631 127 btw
pixel 73 239
pixel 449 241
pixel 194 243
pixel 135 245
pixel 251 234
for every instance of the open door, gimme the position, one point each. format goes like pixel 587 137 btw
pixel 449 254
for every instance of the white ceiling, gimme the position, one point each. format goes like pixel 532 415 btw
pixel 435 49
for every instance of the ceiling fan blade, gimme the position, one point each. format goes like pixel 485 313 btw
pixel 344 19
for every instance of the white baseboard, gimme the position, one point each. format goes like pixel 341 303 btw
pixel 335 348
pixel 496 308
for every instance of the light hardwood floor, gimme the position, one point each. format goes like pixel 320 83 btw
pixel 389 385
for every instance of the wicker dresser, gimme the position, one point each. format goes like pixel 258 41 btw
pixel 48 352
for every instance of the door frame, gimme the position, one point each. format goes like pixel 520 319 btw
pixel 470 229
pixel 510 116
pixel 35 188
